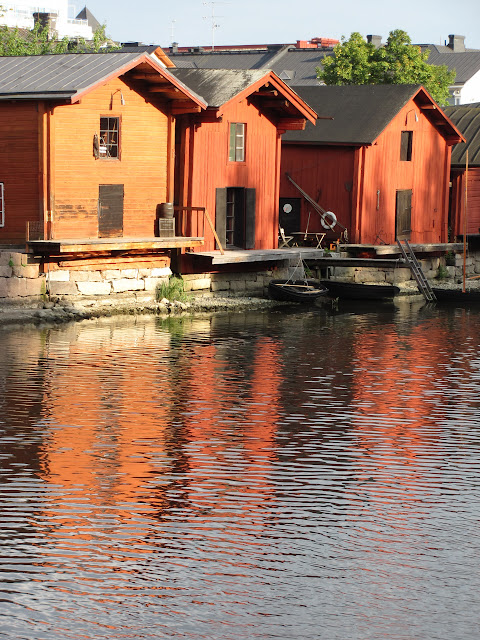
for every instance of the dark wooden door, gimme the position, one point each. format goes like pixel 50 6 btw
pixel 110 210
pixel 289 215
pixel 403 214
pixel 235 217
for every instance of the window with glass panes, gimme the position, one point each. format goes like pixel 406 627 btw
pixel 109 146
pixel 236 148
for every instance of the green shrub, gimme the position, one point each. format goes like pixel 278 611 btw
pixel 442 273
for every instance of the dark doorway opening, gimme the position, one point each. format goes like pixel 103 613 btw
pixel 235 217
pixel 403 214
pixel 289 214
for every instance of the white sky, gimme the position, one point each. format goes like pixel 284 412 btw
pixel 282 21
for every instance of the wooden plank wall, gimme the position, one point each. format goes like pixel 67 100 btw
pixel 211 169
pixel 325 174
pixel 142 167
pixel 427 174
pixel 19 167
pixel 458 201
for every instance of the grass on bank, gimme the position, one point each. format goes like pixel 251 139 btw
pixel 172 290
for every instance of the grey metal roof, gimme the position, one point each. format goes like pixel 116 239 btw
pixel 467 120
pixel 360 112
pixel 292 65
pixel 86 14
pixel 218 86
pixel 466 64
pixel 57 76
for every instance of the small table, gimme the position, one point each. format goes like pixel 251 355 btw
pixel 315 236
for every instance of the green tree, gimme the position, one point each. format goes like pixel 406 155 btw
pixel 36 41
pixel 356 61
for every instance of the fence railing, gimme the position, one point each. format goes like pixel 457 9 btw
pixel 191 223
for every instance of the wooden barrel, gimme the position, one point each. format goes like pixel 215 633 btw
pixel 166 210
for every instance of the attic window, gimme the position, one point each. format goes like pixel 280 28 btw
pixel 2 206
pixel 236 148
pixel 406 146
pixel 109 144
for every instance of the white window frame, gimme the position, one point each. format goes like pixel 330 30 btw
pixel 236 146
pixel 2 205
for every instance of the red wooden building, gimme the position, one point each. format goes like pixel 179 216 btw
pixel 465 175
pixel 381 164
pixel 229 155
pixel 87 145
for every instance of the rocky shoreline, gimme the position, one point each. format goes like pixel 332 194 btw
pixel 58 311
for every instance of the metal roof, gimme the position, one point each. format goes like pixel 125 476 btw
pixel 466 64
pixel 58 76
pixel 221 60
pixel 467 119
pixel 218 86
pixel 360 112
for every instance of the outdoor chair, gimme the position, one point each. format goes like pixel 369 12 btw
pixel 283 240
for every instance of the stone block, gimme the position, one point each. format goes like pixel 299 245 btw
pixel 94 276
pixel 151 284
pixel 219 285
pixel 402 274
pixel 63 289
pixel 3 287
pixel 27 271
pixel 16 259
pixel 253 285
pixel 111 274
pixel 79 276
pixel 129 273
pixel 344 272
pixel 5 271
pixel 161 272
pixel 200 285
pixel 369 275
pixel 127 284
pixel 4 258
pixel 237 285
pixel 94 288
pixel 58 276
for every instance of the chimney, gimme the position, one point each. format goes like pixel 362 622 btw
pixel 375 40
pixel 47 20
pixel 456 43
pixel 174 47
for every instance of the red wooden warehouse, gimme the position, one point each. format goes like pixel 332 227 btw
pixel 229 155
pixel 87 145
pixel 465 176
pixel 381 164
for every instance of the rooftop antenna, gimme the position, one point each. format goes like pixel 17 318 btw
pixel 213 17
pixel 172 31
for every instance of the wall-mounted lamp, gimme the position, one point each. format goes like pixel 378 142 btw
pixel 406 116
pixel 122 99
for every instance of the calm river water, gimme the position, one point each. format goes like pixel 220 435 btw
pixel 276 475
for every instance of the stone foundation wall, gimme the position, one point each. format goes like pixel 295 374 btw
pixel 21 280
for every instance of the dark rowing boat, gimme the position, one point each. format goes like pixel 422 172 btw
pixel 457 296
pixel 357 291
pixel 303 291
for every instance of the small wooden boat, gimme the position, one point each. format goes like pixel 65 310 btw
pixel 357 291
pixel 457 296
pixel 303 291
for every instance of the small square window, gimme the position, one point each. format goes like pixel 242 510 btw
pixel 109 143
pixel 406 146
pixel 236 148
pixel 2 206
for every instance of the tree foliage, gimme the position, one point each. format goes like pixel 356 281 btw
pixel 356 61
pixel 37 41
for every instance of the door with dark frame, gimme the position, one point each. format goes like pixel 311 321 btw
pixel 289 214
pixel 110 210
pixel 403 214
pixel 235 217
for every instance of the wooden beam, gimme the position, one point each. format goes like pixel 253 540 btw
pixel 178 108
pixel 270 92
pixel 151 77
pixel 163 89
pixel 292 124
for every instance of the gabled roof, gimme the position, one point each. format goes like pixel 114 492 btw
pixel 86 14
pixel 467 120
pixel 71 76
pixel 359 113
pixel 219 87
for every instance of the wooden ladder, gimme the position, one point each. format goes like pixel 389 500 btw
pixel 414 266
